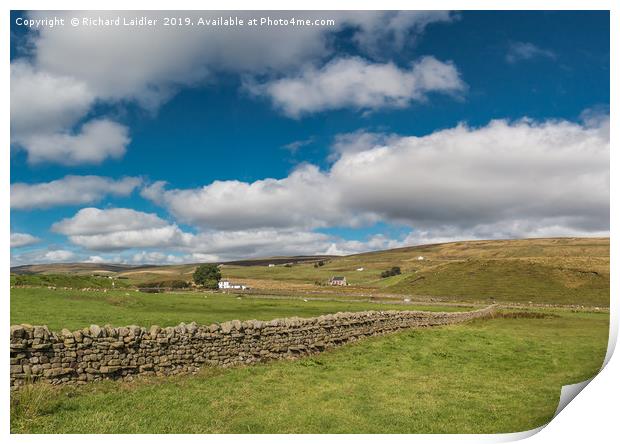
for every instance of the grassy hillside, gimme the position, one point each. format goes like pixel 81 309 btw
pixel 70 268
pixel 76 309
pixel 509 281
pixel 500 375
pixel 65 280
pixel 554 271
pixel 546 271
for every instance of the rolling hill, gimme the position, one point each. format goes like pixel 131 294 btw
pixel 555 271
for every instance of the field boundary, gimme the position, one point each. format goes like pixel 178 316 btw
pixel 96 353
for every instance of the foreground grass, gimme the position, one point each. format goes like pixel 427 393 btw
pixel 500 375
pixel 76 309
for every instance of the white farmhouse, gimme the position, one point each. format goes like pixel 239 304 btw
pixel 227 285
pixel 339 281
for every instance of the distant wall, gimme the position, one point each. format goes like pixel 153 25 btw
pixel 96 353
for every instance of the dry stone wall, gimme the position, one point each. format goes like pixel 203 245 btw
pixel 95 353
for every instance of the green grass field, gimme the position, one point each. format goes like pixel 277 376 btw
pixel 498 375
pixel 487 376
pixel 75 309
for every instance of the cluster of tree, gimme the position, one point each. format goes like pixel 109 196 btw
pixel 170 283
pixel 319 264
pixel 207 275
pixel 391 272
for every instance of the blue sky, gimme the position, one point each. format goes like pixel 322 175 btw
pixel 382 130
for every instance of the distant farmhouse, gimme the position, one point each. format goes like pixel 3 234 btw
pixel 227 285
pixel 338 280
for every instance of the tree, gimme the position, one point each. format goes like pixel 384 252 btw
pixel 207 275
pixel 391 272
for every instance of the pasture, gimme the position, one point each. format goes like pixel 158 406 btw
pixel 499 375
pixel 75 309
pixel 485 376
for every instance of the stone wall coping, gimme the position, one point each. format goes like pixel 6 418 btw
pixel 23 331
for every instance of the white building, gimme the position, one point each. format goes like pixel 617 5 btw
pixel 227 285
pixel 421 258
pixel 360 269
pixel 339 281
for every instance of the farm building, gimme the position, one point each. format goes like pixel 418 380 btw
pixel 338 280
pixel 227 285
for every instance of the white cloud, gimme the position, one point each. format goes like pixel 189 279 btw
pixel 520 51
pixel 303 199
pixel 552 176
pixel 155 257
pixel 123 229
pixel 156 61
pixel 53 89
pixel 70 190
pixel 296 145
pixel 44 109
pixel 119 229
pixel 513 229
pixel 95 259
pixel 58 256
pixel 395 29
pixel 465 176
pixel 43 256
pixel 45 103
pixel 23 239
pixel 96 141
pixel 360 84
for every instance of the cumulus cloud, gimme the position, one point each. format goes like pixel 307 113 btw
pixel 123 229
pixel 43 256
pixel 96 141
pixel 70 190
pixel 357 83
pixel 520 51
pixel 552 176
pixel 53 90
pixel 44 109
pixel 95 259
pixel 118 229
pixel 45 103
pixel 59 256
pixel 303 199
pixel 155 257
pixel 23 239
pixel 156 62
